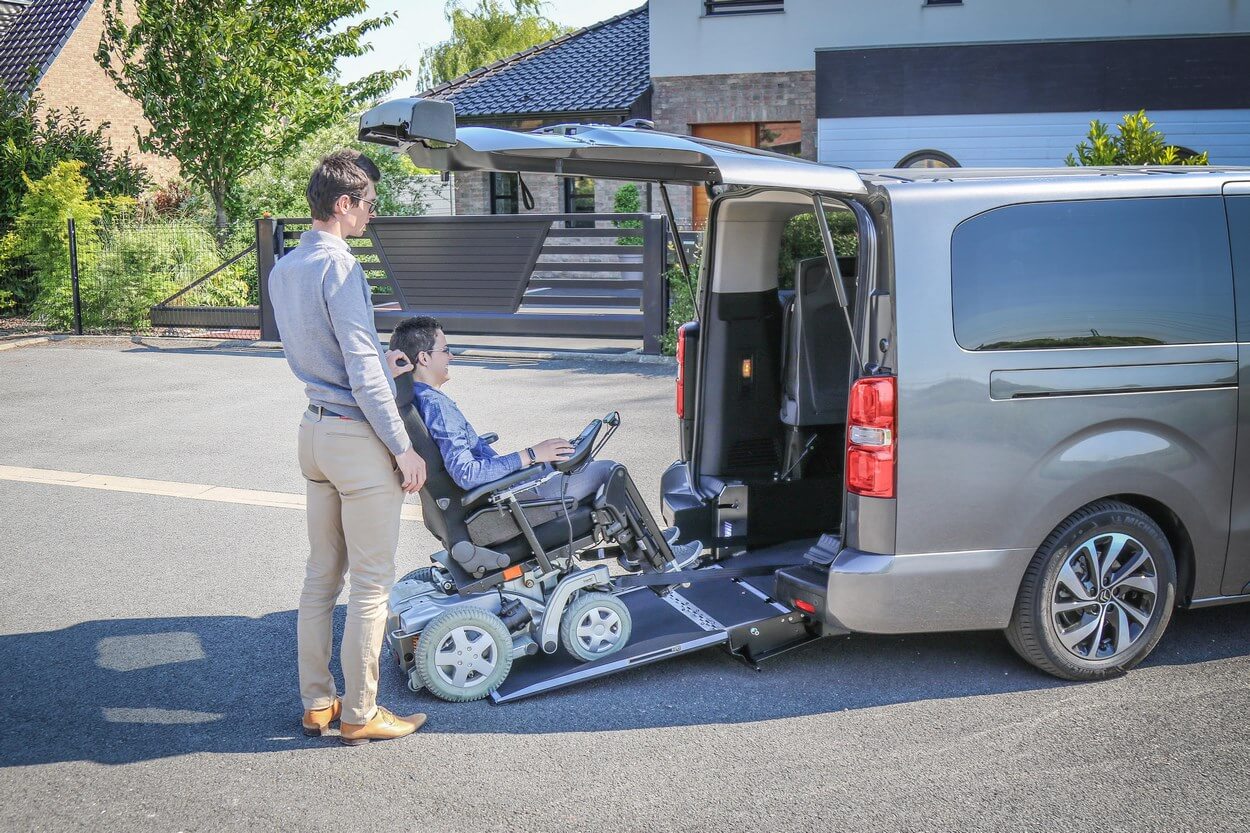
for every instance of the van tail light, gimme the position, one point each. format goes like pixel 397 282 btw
pixel 681 372
pixel 870 437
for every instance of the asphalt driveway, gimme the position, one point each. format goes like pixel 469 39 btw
pixel 147 651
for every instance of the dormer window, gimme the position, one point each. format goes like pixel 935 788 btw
pixel 728 7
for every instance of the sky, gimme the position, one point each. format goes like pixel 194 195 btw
pixel 420 23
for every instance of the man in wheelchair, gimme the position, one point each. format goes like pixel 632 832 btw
pixel 516 530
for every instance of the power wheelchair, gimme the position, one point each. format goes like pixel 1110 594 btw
pixel 519 574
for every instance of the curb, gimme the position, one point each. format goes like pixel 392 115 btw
pixel 171 342
pixel 22 341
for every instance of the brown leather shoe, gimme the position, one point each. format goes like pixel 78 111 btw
pixel 317 720
pixel 384 725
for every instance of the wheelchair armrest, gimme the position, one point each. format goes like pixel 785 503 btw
pixel 489 439
pixel 527 473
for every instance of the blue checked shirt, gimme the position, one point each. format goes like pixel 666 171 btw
pixel 469 461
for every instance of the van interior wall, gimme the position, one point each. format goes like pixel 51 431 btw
pixel 743 437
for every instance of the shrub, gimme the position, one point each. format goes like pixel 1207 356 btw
pixel 30 149
pixel 1136 142
pixel 801 239
pixel 141 265
pixel 680 302
pixel 40 237
pixel 627 201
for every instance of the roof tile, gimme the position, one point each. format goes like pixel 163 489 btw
pixel 35 37
pixel 606 66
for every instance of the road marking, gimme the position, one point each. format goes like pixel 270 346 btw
pixel 169 488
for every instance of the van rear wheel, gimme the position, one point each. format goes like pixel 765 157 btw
pixel 1097 596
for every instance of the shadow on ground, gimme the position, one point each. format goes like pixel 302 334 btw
pixel 124 690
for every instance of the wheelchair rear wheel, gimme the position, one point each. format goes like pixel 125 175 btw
pixel 595 625
pixel 430 576
pixel 464 654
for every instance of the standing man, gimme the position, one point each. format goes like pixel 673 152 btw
pixel 353 451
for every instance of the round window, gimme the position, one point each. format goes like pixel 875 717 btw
pixel 927 159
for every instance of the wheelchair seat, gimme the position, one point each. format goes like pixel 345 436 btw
pixel 445 515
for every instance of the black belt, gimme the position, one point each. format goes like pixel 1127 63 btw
pixel 322 411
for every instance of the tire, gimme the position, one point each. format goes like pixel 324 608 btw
pixel 425 574
pixel 595 625
pixel 465 635
pixel 432 575
pixel 1072 623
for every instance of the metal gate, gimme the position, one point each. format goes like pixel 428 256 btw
pixel 520 274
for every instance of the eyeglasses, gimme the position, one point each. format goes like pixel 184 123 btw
pixel 446 350
pixel 373 204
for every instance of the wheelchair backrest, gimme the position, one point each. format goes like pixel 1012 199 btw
pixel 441 510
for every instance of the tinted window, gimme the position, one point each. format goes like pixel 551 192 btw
pixel 1239 235
pixel 1093 273
pixel 504 194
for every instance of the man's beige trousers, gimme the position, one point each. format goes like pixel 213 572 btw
pixel 354 500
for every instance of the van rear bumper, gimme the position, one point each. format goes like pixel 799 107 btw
pixel 939 591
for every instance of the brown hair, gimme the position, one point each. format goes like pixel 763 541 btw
pixel 342 172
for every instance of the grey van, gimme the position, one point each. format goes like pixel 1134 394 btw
pixel 1015 407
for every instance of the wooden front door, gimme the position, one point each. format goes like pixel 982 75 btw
pixel 742 133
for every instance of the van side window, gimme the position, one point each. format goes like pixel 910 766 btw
pixel 1239 235
pixel 1093 273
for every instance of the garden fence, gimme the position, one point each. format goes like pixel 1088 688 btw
pixel 111 275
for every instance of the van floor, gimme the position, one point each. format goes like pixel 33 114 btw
pixel 686 619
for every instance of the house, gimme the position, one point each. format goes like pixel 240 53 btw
pixel 53 44
pixel 598 74
pixel 903 83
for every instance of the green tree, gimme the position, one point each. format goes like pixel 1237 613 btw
pixel 229 84
pixel 278 185
pixel 1136 142
pixel 482 35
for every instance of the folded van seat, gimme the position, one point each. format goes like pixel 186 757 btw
pixel 816 356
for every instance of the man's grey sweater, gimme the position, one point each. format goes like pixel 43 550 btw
pixel 325 319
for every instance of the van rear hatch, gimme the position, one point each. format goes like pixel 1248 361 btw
pixel 426 131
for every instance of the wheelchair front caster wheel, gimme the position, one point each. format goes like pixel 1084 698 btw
pixel 595 625
pixel 464 654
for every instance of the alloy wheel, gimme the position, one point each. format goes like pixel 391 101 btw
pixel 1104 596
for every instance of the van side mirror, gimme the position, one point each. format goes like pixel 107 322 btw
pixel 409 120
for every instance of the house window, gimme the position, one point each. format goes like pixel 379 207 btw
pixel 504 194
pixel 726 7
pixel 579 198
pixel 927 159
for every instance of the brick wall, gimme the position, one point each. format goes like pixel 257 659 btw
pixel 678 103
pixel 76 80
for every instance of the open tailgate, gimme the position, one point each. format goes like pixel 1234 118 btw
pixel 426 131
